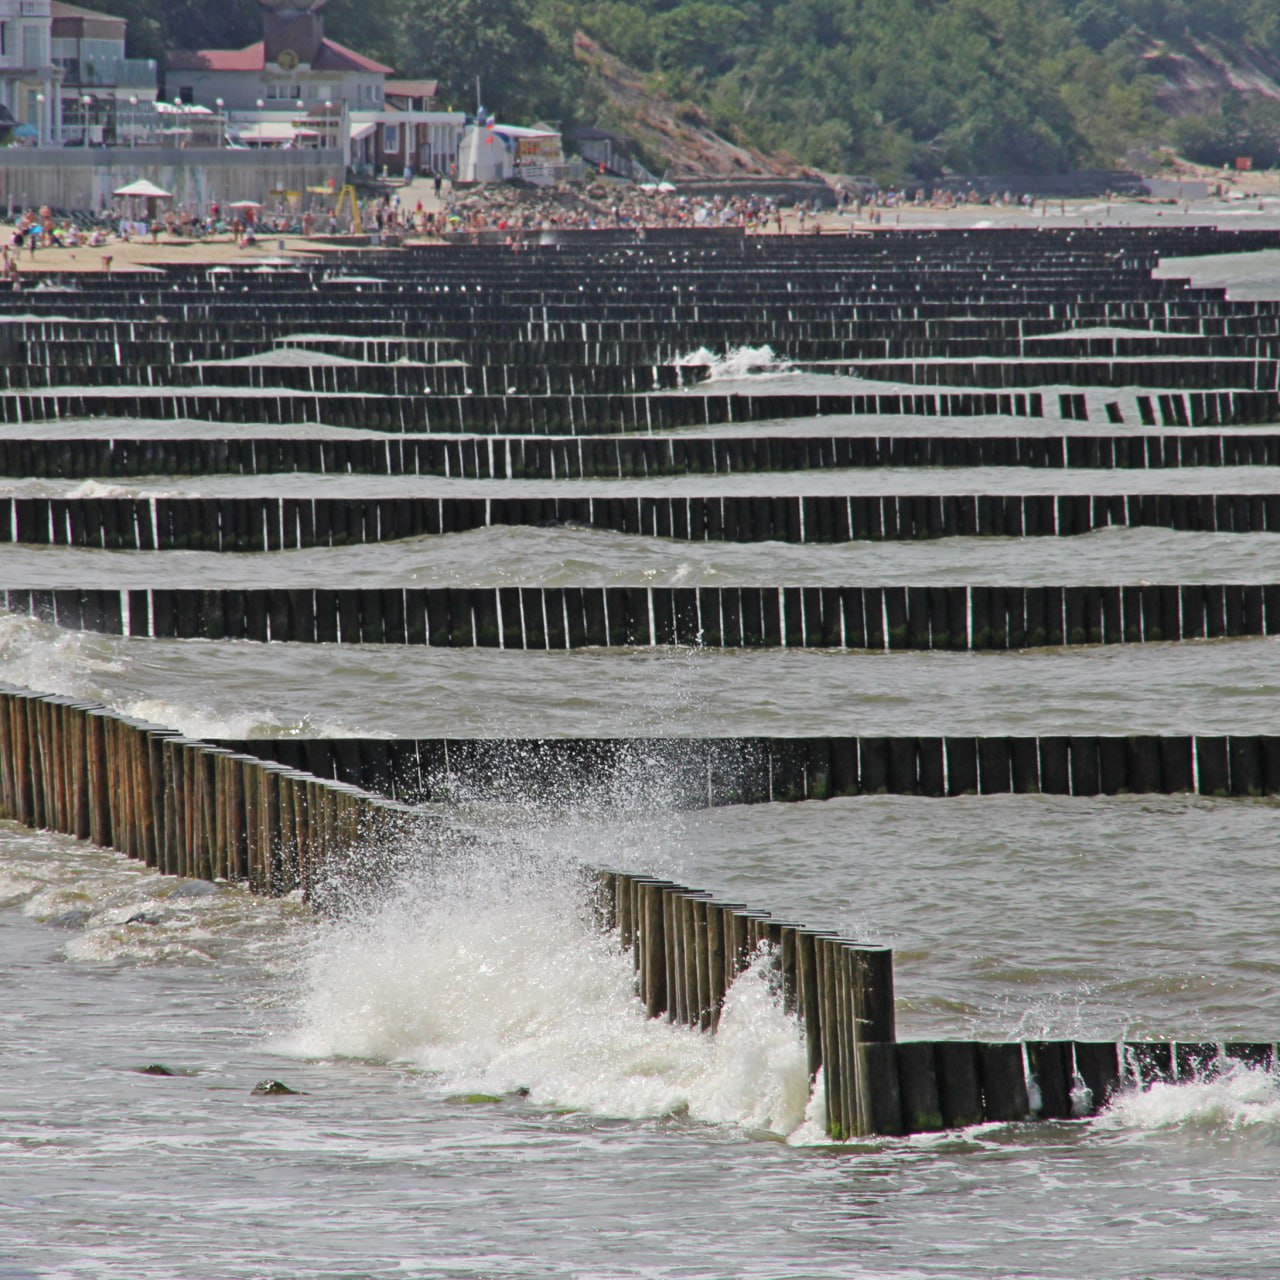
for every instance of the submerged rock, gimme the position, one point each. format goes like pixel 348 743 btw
pixel 76 919
pixel 156 1069
pixel 196 889
pixel 272 1089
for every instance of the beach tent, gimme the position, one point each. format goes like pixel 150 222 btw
pixel 249 208
pixel 144 190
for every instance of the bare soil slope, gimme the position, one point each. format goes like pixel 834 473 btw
pixel 676 133
pixel 1196 75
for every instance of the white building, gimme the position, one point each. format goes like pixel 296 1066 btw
pixel 395 140
pixel 29 80
pixel 105 98
pixel 492 152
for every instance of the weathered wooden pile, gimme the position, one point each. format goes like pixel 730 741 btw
pixel 566 362
pixel 185 807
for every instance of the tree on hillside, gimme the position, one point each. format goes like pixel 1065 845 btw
pixel 456 41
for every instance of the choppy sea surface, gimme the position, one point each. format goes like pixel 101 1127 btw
pixel 478 1094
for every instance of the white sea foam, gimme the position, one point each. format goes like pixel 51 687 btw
pixel 737 362
pixel 488 977
pixel 40 656
pixel 1241 1099
pixel 117 912
pixel 103 489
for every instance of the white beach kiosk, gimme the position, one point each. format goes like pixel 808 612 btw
pixel 492 152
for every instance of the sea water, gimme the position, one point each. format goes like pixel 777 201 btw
pixel 477 1095
pixel 475 1090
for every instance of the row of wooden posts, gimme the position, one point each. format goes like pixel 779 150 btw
pixel 701 772
pixel 184 807
pixel 1198 371
pixel 276 523
pixel 53 346
pixel 452 379
pixel 491 414
pixel 687 949
pixel 585 415
pixel 874 618
pixel 193 809
pixel 612 457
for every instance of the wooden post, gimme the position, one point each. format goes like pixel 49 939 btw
pixel 824 953
pixel 921 1106
pixel 872 987
pixel 959 1085
pixel 654 950
pixel 879 1098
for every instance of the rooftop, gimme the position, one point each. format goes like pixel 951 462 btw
pixel 413 88
pixel 59 9
pixel 332 56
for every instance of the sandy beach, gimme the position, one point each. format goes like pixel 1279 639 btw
pixel 1249 201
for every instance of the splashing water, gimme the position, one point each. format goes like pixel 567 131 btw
pixel 488 977
pixel 737 362
pixel 1240 1099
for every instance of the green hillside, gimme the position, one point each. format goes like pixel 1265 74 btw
pixel 891 87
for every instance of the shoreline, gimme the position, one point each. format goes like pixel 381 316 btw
pixel 1254 211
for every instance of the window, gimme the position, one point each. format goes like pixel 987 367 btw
pixel 278 92
pixel 4 38
pixel 187 94
pixel 32 46
pixel 390 138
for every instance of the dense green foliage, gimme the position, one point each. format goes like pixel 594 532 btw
pixel 925 85
pixel 889 87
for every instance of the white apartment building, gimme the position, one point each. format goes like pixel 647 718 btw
pixel 29 81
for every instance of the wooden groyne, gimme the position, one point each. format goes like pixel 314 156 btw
pixel 687 948
pixel 568 415
pixel 614 457
pixel 282 523
pixel 591 415
pixel 879 619
pixel 697 772
pixel 184 807
pixel 195 809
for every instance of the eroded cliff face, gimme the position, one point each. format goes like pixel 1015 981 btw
pixel 679 133
pixel 1194 77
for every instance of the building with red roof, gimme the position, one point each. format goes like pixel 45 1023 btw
pixel 295 66
pixel 297 88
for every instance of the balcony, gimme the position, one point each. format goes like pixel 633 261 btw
pixel 109 73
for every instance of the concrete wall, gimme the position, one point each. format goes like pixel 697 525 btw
pixel 76 178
